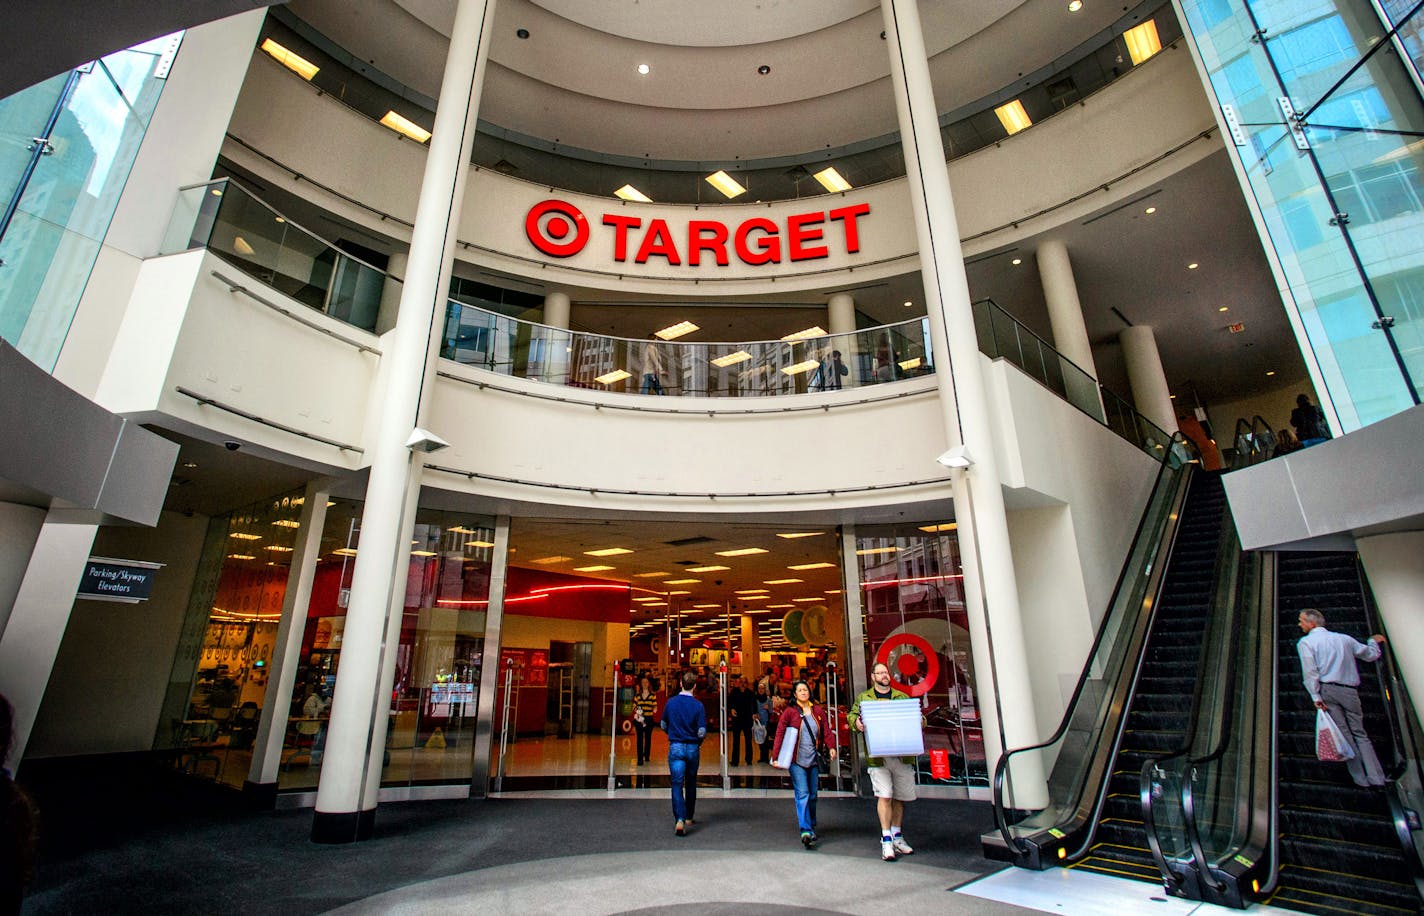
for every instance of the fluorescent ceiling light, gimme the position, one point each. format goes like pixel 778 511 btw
pixel 460 529
pixel 1142 41
pixel 872 551
pixel 287 523
pixel 403 125
pixel 650 575
pixel 608 378
pixel 782 581
pixel 592 568
pixel 649 600
pixel 240 556
pixel 606 552
pixel 679 592
pixel 628 192
pixel 677 330
pixel 479 543
pixel 935 529
pixel 801 566
pixel 776 606
pixel 707 568
pixel 725 183
pixel 682 581
pixel 294 62
pixel 278 548
pixel 241 246
pixel 707 605
pixel 244 536
pixel 1013 116
pixel 798 368
pixel 791 535
pixel 752 591
pixel 739 552
pixel 912 363
pixel 814 331
pixel 731 359
pixel 804 600
pixel 831 180
pixel 545 561
pixel 422 553
pixel 344 552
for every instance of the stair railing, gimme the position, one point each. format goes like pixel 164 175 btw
pixel 1097 707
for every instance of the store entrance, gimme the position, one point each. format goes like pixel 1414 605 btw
pixel 602 618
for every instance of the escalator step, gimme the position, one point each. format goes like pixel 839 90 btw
pixel 1317 891
pixel 1120 862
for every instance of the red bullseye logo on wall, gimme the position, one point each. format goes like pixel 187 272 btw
pixel 913 663
pixel 557 228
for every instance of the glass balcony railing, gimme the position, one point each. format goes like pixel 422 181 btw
pixel 257 240
pixel 243 230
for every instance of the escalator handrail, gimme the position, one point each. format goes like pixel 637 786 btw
pixel 1001 768
pixel 1183 751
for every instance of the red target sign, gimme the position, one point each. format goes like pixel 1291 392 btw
pixel 563 234
pixel 913 663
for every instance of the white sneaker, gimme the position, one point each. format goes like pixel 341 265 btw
pixel 887 850
pixel 902 847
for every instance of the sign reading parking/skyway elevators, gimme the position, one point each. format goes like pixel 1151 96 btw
pixel 129 581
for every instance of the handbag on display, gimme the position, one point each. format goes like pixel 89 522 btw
pixel 1330 743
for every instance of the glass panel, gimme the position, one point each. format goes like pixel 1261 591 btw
pixel 915 622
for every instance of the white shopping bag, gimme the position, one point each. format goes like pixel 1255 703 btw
pixel 1330 742
pixel 788 748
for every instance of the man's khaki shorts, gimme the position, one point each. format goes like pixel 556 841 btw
pixel 896 779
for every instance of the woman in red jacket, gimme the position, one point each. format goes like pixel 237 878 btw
pixel 805 723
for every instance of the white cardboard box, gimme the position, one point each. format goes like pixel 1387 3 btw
pixel 892 728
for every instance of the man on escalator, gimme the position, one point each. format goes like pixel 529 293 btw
pixel 1327 661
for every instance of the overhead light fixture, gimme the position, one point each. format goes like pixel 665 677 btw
pixel 1142 41
pixel 675 331
pixel 704 569
pixel 423 440
pixel 739 552
pixel 643 69
pixel 679 592
pixel 278 548
pixel 705 606
pixel 240 556
pixel 422 553
pixel 804 566
pixel 792 535
pixel 752 591
pixel 909 304
pixel 405 126
pixel 1074 5
pixel 241 246
pixel 607 552
pixel 911 363
pixel 1268 374
pixel 628 192
pixel 936 529
pixel 1013 117
pixel 546 561
pixel 777 607
pixel 1193 266
pixel 682 581
pixel 875 551
pixel 344 552
pixel 781 581
pixel 608 378
pixel 593 568
pixel 731 359
pixel 763 69
pixel 805 600
pixel 1224 309
pixel 287 523
pixel 650 575
pixel 798 368
pixel 957 457
pixel 293 62
pixel 244 536
pixel 1017 261
pixel 1150 210
pixel 479 543
pixel 806 334
pixel 831 180
pixel 725 183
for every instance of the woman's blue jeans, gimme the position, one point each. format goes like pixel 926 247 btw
pixel 682 766
pixel 803 780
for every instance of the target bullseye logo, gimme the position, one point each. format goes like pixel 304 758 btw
pixel 913 663
pixel 557 228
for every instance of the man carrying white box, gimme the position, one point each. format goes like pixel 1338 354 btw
pixel 892 777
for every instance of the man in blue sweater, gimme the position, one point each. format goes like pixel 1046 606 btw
pixel 685 721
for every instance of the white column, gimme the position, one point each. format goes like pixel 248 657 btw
pixel 391 291
pixel 1065 312
pixel 556 309
pixel 1397 580
pixel 287 652
pixel 345 809
pixel 38 620
pixel 1150 394
pixel 840 313
pixel 991 592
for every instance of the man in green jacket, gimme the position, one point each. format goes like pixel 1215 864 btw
pixel 893 778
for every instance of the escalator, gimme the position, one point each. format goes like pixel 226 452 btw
pixel 1338 844
pixel 1159 715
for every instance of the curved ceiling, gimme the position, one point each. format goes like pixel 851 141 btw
pixel 574 80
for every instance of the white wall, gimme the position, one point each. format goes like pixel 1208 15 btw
pixel 19 526
pixel 112 670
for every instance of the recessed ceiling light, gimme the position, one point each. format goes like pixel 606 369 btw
pixel 650 575
pixel 607 552
pixel 739 552
pixel 908 364
pixel 1074 5
pixel 608 378
pixel 479 543
pixel 725 183
pixel 872 551
pixel 752 591
pixel 414 553
pixel 405 126
pixel 1272 372
pixel 763 69
pixel 731 359
pixel 1017 261
pixel 545 561
pixel 240 556
pixel 190 464
pixel 781 581
pixel 1193 266
pixel 705 606
pixel 803 566
pixel 792 535
pixel 682 581
pixel 935 529
pixel 241 245
pixel 798 368
pixel 679 592
pixel 1223 309
pixel 643 69
pixel 1172 397
pixel 344 552
pixel 702 569
pixel 280 219
pixel 592 568
pixel 287 523
pixel 244 536
pixel 831 180
pixel 521 34
pixel 294 62
pixel 805 600
pixel 1013 117
pixel 1142 41
pixel 675 331
pixel 1150 210
pixel 628 192
pixel 813 331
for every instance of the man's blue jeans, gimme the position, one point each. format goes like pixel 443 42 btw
pixel 803 780
pixel 682 765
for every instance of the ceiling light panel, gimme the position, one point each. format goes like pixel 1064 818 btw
pixel 831 180
pixel 739 552
pixel 1013 117
pixel 682 581
pixel 593 568
pixel 792 535
pixel 781 581
pixel 294 62
pixel 628 192
pixel 405 126
pixel 807 334
pixel 725 183
pixel 607 552
pixel 798 368
pixel 1142 41
pixel 731 359
pixel 672 332
pixel 617 375
pixel 803 566
pixel 707 569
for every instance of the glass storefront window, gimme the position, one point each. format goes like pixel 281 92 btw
pixel 912 596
